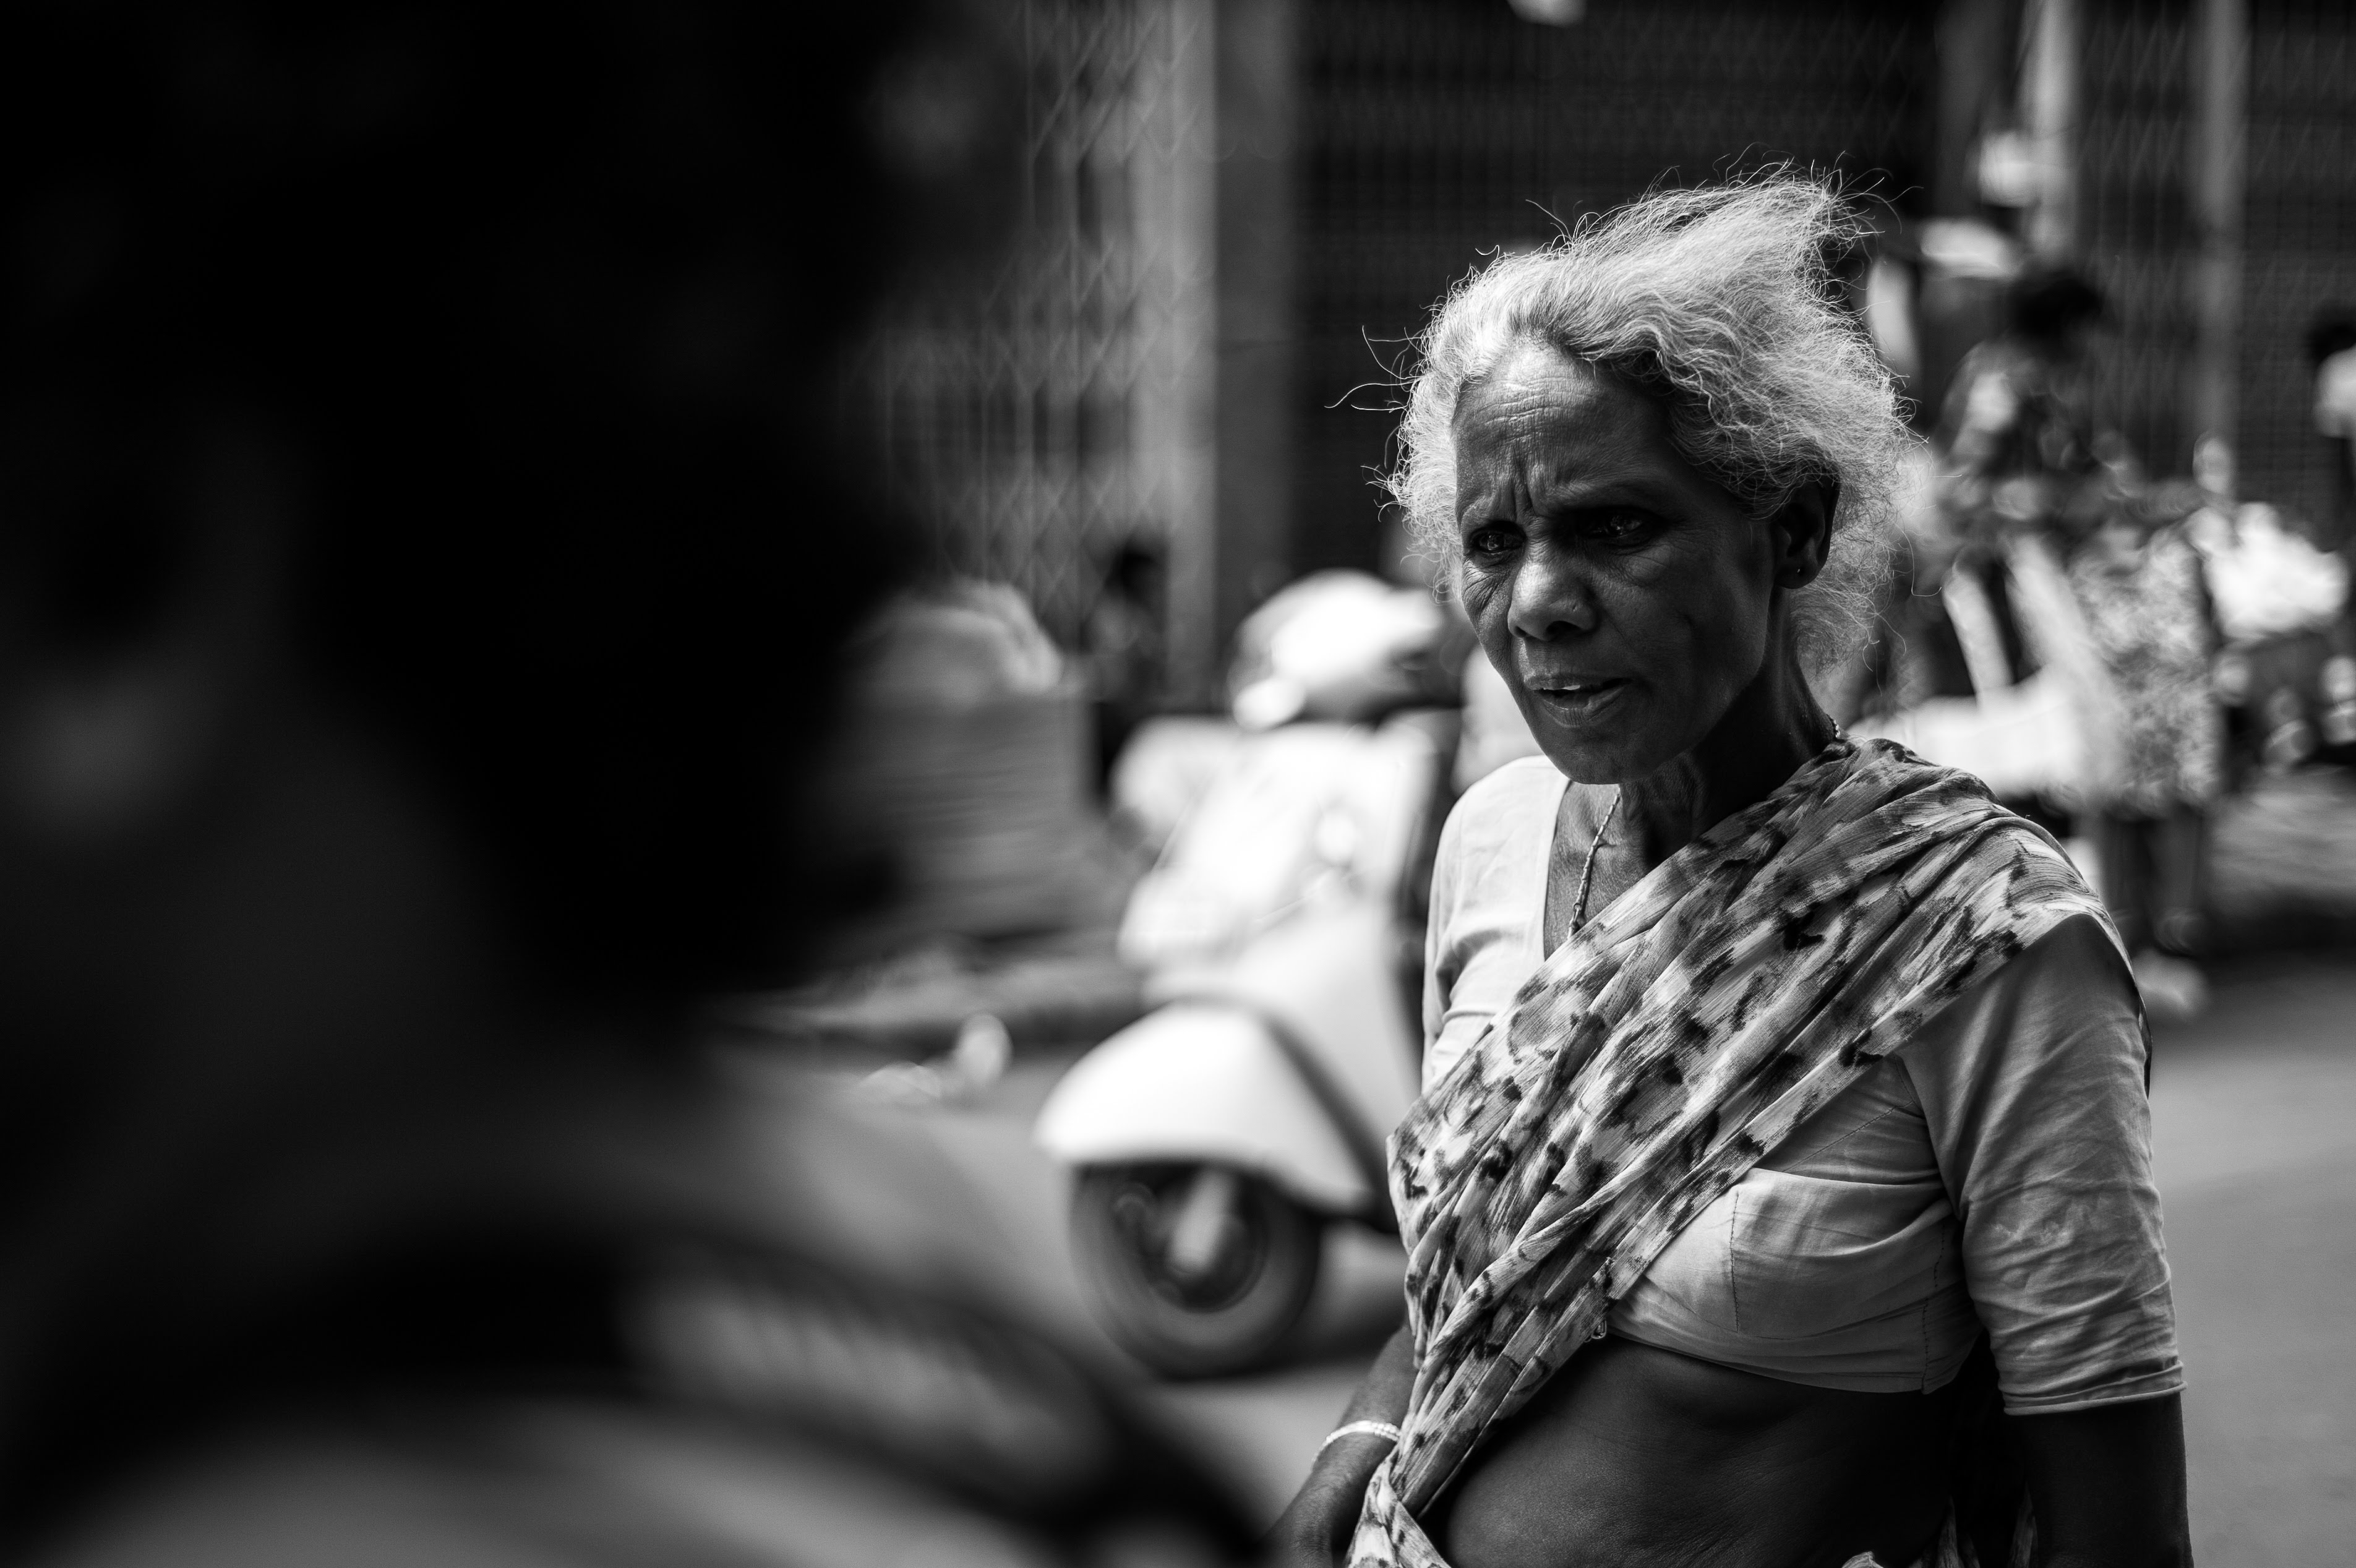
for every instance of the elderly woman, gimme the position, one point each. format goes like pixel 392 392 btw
pixel 1785 1096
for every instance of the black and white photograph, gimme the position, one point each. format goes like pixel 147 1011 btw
pixel 1174 783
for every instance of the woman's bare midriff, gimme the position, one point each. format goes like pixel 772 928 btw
pixel 1633 1458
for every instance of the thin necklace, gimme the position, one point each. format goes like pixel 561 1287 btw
pixel 1587 872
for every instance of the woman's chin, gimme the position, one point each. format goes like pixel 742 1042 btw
pixel 1590 758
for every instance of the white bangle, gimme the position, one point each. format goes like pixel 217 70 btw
pixel 1360 1428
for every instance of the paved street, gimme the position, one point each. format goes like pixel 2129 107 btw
pixel 2255 1114
pixel 2254 1109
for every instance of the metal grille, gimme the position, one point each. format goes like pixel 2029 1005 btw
pixel 2300 234
pixel 1034 419
pixel 2299 225
pixel 1039 417
pixel 1434 131
pixel 2134 171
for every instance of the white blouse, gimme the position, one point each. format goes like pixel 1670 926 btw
pixel 1995 1172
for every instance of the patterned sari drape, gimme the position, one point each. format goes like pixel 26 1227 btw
pixel 1661 1052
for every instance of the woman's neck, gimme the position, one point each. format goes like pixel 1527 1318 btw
pixel 1769 731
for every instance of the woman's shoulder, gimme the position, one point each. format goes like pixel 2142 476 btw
pixel 1495 839
pixel 1507 806
pixel 2047 965
pixel 1932 802
pixel 2063 940
pixel 2076 960
pixel 2064 1002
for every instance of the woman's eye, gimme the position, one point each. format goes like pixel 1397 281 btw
pixel 1491 542
pixel 1620 527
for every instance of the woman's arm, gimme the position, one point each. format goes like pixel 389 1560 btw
pixel 2108 1484
pixel 2032 1086
pixel 1316 1527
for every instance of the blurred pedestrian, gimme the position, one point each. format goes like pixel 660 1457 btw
pixel 1980 662
pixel 2017 428
pixel 2015 444
pixel 424 565
pixel 2331 350
pixel 1122 640
pixel 2139 585
pixel 1784 1101
pixel 2029 486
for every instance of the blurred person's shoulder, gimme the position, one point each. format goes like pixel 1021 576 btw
pixel 783 1399
pixel 553 1487
pixel 782 1412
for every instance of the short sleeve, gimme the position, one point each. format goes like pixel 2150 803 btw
pixel 2032 1084
pixel 1437 975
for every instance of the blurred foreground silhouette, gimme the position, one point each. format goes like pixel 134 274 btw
pixel 422 573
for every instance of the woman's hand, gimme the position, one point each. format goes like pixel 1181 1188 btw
pixel 2108 1484
pixel 1314 1530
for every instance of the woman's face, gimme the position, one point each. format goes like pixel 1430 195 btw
pixel 1627 600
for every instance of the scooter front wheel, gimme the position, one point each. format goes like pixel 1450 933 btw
pixel 1198 1270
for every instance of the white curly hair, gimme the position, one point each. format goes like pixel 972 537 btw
pixel 1721 303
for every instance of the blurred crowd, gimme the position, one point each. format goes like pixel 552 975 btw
pixel 2111 651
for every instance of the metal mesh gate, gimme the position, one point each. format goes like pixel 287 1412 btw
pixel 1061 406
pixel 2300 234
pixel 2135 169
pixel 1434 131
pixel 1034 419
pixel 2299 225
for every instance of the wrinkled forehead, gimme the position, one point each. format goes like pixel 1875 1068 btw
pixel 1532 391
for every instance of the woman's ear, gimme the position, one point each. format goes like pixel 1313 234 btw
pixel 1802 533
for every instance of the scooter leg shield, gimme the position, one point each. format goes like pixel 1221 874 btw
pixel 1202 1083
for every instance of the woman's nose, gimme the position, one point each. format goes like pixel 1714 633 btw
pixel 1550 596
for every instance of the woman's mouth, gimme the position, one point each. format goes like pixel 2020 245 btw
pixel 1576 699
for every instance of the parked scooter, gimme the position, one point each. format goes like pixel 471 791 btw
pixel 1214 1140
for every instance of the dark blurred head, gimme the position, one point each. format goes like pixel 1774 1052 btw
pixel 462 371
pixel 2052 304
pixel 421 569
pixel 2333 331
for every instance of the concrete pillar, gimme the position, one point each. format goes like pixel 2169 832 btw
pixel 1178 428
pixel 2218 169
pixel 1256 307
pixel 1974 44
pixel 2049 94
pixel 1233 237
